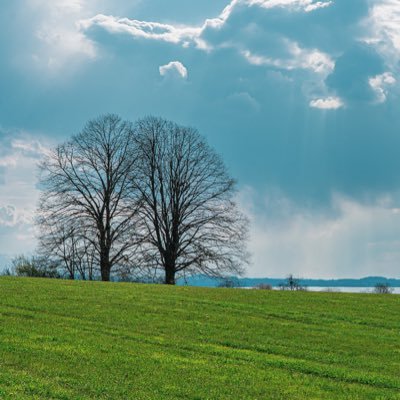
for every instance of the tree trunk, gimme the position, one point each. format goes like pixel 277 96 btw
pixel 105 274
pixel 105 266
pixel 170 276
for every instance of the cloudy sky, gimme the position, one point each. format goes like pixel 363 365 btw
pixel 301 98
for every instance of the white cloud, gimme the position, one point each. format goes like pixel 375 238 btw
pixel 298 58
pixel 61 41
pixel 352 240
pixel 284 54
pixel 146 30
pixel 19 155
pixel 295 5
pixel 10 216
pixel 186 35
pixel 7 215
pixel 328 103
pixel 174 68
pixel 19 158
pixel 383 27
pixel 219 22
pixel 9 160
pixel 380 84
pixel 29 147
pixel 313 59
pixel 19 150
pixel 315 6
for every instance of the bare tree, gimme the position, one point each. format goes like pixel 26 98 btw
pixel 192 223
pixel 292 283
pixel 87 186
pixel 67 246
pixel 383 288
pixel 86 260
pixel 33 266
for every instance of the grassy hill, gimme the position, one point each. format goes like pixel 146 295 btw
pixel 77 340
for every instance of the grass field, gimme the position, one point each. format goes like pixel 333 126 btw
pixel 76 340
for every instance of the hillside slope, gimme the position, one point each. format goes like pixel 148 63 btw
pixel 79 340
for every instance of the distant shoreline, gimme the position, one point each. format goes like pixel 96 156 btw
pixel 366 282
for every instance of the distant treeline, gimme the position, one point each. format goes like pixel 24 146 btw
pixel 370 281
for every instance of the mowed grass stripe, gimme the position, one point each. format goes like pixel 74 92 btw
pixel 273 356
pixel 158 342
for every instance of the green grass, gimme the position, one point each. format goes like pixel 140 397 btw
pixel 76 340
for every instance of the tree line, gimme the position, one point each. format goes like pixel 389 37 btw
pixel 149 199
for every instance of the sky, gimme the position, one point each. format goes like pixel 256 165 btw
pixel 300 97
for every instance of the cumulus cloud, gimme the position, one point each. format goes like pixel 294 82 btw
pixel 174 69
pixel 238 28
pixel 186 35
pixel 54 36
pixel 9 160
pixel 29 147
pixel 10 216
pixel 311 6
pixel 383 29
pixel 7 215
pixel 380 84
pixel 19 155
pixel 313 60
pixel 328 103
pixel 305 5
pixel 351 239
pixel 183 35
pixel 17 150
pixel 353 69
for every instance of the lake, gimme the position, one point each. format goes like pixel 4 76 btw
pixel 344 289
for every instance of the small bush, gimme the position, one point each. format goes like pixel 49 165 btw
pixel 292 283
pixel 383 288
pixel 33 267
pixel 6 272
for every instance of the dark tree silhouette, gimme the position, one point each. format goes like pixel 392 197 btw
pixel 292 283
pixel 61 244
pixel 191 222
pixel 33 267
pixel 383 288
pixel 87 187
pixel 67 247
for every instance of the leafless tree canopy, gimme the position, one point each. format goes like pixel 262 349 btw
pixel 67 246
pixel 191 222
pixel 383 288
pixel 292 283
pixel 88 191
pixel 153 197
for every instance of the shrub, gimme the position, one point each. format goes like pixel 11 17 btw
pixel 34 267
pixel 383 288
pixel 292 283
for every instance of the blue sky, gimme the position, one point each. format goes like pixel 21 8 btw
pixel 300 97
